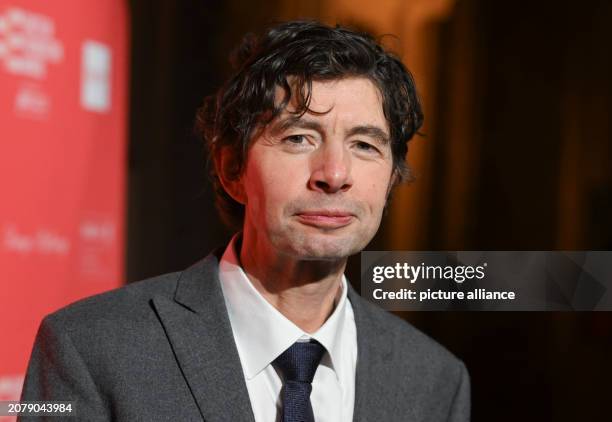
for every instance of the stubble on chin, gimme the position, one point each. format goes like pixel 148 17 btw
pixel 306 244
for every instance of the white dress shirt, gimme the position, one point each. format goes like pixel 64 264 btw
pixel 262 333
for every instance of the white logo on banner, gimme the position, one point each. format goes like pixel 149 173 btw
pixel 44 241
pixel 96 76
pixel 32 101
pixel 28 43
pixel 10 387
pixel 95 230
pixel 98 235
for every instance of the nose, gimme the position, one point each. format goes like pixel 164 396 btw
pixel 331 169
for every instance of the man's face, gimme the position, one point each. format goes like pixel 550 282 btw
pixel 315 187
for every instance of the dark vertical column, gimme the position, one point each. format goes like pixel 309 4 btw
pixel 179 55
pixel 151 116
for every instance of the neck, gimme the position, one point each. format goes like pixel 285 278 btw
pixel 305 292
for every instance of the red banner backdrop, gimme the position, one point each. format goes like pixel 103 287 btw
pixel 63 85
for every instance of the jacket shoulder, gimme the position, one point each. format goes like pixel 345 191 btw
pixel 128 302
pixel 409 341
pixel 412 363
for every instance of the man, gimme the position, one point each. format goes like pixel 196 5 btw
pixel 308 137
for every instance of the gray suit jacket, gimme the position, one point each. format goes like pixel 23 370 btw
pixel 162 349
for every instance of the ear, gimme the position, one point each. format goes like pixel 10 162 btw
pixel 395 178
pixel 229 174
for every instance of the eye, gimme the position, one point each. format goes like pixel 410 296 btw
pixel 295 139
pixel 297 143
pixel 365 147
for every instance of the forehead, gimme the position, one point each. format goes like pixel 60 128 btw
pixel 342 103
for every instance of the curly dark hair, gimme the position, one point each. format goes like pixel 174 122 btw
pixel 292 55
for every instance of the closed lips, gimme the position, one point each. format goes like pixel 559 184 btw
pixel 325 218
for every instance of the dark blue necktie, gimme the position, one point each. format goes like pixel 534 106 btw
pixel 298 365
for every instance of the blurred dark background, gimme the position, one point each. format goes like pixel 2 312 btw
pixel 516 153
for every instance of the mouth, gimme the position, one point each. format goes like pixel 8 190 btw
pixel 329 219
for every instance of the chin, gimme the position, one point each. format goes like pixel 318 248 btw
pixel 322 248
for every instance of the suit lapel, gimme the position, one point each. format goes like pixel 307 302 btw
pixel 373 390
pixel 198 328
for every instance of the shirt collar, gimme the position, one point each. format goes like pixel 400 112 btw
pixel 261 332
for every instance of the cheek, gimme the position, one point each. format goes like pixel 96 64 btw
pixel 269 186
pixel 376 186
pixel 253 190
pixel 377 198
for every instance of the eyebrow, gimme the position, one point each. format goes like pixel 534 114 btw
pixel 371 131
pixel 290 122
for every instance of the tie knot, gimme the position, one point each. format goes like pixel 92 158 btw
pixel 299 362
